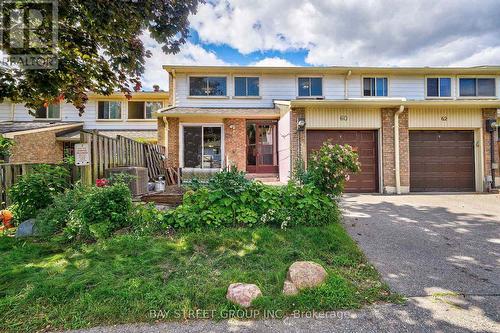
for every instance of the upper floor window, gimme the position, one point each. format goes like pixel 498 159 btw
pixel 375 86
pixel 109 110
pixel 52 111
pixel 477 87
pixel 143 110
pixel 310 86
pixel 438 87
pixel 246 86
pixel 207 86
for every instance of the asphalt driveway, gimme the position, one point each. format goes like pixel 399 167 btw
pixel 433 246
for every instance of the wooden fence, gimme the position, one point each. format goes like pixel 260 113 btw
pixel 105 153
pixel 10 173
pixel 108 153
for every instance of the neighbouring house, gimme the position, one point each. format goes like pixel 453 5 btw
pixel 415 129
pixel 51 133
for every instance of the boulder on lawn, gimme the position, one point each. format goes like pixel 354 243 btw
pixel 243 294
pixel 26 229
pixel 303 274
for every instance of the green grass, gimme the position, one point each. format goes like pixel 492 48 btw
pixel 120 280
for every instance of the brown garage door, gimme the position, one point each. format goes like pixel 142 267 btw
pixel 365 142
pixel 441 161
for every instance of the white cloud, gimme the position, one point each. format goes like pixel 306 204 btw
pixel 273 62
pixel 190 54
pixel 358 32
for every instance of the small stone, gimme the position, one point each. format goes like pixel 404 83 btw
pixel 243 294
pixel 289 288
pixel 26 229
pixel 303 274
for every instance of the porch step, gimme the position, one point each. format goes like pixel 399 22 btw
pixel 264 177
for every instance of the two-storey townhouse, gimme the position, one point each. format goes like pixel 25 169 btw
pixel 51 132
pixel 415 129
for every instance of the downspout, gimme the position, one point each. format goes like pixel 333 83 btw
pixel 346 89
pixel 12 109
pixel 396 148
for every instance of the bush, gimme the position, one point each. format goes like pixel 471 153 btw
pixel 54 218
pixel 145 219
pixel 249 203
pixel 35 191
pixel 329 168
pixel 102 211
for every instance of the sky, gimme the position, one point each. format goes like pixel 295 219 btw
pixel 335 32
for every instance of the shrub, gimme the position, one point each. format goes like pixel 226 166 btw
pixel 251 203
pixel 329 167
pixel 102 211
pixel 35 191
pixel 145 219
pixel 54 218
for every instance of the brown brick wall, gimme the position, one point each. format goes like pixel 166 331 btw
pixel 172 143
pixel 161 131
pixel 235 142
pixel 388 162
pixel 40 147
pixel 297 138
pixel 489 114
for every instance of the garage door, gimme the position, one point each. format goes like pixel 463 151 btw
pixel 365 143
pixel 441 161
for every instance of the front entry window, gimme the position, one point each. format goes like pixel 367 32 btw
pixel 202 147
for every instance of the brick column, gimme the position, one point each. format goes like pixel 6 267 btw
pixel 297 138
pixel 388 159
pixel 160 132
pixel 235 143
pixel 172 143
pixel 489 114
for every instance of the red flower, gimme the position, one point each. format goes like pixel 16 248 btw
pixel 101 182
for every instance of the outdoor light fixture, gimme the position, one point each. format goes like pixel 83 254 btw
pixel 491 125
pixel 301 124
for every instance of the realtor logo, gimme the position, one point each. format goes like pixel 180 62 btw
pixel 28 33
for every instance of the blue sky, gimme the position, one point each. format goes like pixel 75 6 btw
pixel 232 56
pixel 336 32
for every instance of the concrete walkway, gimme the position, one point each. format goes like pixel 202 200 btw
pixel 440 251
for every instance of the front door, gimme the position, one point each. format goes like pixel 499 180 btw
pixel 262 152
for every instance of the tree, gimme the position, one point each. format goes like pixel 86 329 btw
pixel 98 46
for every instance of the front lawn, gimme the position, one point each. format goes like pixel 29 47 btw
pixel 45 285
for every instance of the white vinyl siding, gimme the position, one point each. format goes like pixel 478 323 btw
pixel 70 114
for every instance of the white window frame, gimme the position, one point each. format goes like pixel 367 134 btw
pixel 144 114
pixel 202 125
pixel 110 119
pixel 375 77
pixel 47 111
pixel 477 77
pixel 439 77
pixel 226 96
pixel 246 96
pixel 310 77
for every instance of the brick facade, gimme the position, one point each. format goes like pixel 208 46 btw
pixel 37 147
pixel 489 114
pixel 235 141
pixel 388 159
pixel 297 138
pixel 172 143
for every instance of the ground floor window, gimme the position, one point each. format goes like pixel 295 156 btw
pixel 202 146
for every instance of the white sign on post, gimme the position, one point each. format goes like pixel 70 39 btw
pixel 82 154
